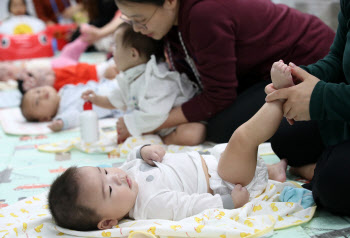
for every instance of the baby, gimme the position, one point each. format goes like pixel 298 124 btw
pixel 63 108
pixel 148 90
pixel 62 70
pixel 152 184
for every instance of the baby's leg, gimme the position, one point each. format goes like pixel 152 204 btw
pixel 281 78
pixel 186 134
pixel 238 162
pixel 70 53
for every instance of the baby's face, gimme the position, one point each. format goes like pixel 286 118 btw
pixel 41 103
pixel 108 191
pixel 17 7
pixel 122 55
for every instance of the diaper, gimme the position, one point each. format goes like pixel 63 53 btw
pixel 220 186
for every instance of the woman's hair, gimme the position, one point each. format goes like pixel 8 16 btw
pixel 64 206
pixel 9 6
pixel 154 2
pixel 146 46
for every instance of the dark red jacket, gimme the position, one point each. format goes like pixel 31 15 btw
pixel 235 42
pixel 45 12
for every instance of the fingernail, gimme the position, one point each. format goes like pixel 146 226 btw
pixel 292 65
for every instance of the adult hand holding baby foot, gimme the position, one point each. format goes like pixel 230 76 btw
pixel 152 153
pixel 297 97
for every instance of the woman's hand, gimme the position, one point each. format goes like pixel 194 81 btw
pixel 297 105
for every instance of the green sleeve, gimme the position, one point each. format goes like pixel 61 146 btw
pixel 330 101
pixel 329 69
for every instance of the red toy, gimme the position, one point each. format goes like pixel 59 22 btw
pixel 42 44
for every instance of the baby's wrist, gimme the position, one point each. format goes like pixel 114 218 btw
pixel 139 152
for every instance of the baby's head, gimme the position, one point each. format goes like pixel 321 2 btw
pixel 17 7
pixel 40 104
pixel 133 48
pixel 88 198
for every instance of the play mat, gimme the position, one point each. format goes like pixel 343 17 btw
pixel 26 174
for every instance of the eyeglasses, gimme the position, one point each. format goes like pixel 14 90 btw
pixel 138 24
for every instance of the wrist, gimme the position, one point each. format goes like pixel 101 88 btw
pixel 139 151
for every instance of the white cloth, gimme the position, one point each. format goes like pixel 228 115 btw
pixel 219 186
pixel 22 25
pixel 173 190
pixel 71 103
pixel 255 187
pixel 149 91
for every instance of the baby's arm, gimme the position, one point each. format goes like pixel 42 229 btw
pixel 56 125
pixel 239 196
pixel 101 101
pixel 150 153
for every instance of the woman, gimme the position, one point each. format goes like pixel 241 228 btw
pixel 227 48
pixel 323 100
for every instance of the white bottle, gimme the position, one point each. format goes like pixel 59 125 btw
pixel 89 131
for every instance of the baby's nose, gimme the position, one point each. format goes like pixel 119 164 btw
pixel 116 179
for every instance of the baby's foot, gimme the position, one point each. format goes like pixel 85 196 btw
pixel 277 171
pixel 239 195
pixel 281 75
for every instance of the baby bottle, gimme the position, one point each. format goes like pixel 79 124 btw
pixel 89 131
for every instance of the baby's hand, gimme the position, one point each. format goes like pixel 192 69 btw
pixel 240 196
pixel 89 95
pixel 56 125
pixel 152 153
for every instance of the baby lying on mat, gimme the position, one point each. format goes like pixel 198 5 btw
pixel 152 184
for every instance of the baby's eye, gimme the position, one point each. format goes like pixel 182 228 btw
pixel 106 171
pixel 110 190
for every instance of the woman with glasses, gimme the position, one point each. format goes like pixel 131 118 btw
pixel 227 48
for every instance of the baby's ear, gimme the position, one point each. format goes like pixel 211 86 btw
pixel 107 224
pixel 135 53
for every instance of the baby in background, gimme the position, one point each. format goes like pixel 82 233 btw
pixel 63 107
pixel 148 90
pixel 154 185
pixel 62 70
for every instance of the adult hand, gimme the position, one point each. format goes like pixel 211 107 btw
pixel 122 130
pixel 152 153
pixel 56 125
pixel 297 97
pixel 270 89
